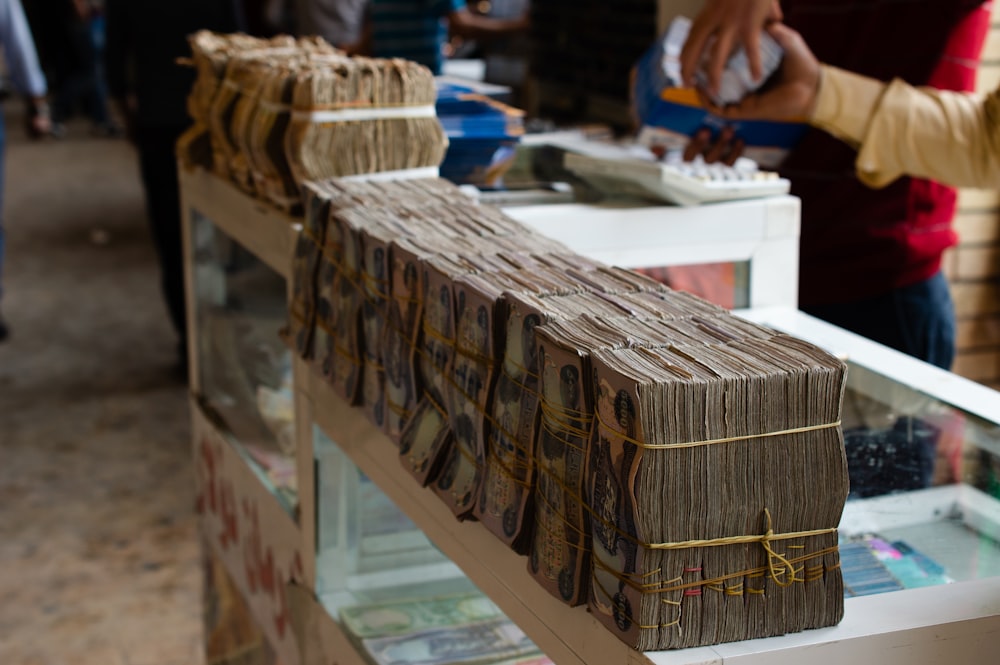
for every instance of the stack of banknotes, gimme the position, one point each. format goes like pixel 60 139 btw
pixel 676 468
pixel 271 114
pixel 465 629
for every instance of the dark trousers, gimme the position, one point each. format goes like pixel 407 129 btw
pixel 918 320
pixel 158 164
pixel 3 155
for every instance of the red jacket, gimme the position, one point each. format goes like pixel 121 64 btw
pixel 858 242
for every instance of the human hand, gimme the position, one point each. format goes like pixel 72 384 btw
pixel 38 123
pixel 726 148
pixel 40 127
pixel 729 22
pixel 794 91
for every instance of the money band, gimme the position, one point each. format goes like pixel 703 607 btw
pixel 515 380
pixel 396 408
pixel 366 113
pixel 764 539
pixel 377 284
pixel 715 582
pixel 558 420
pixel 734 590
pixel 710 442
pixel 401 174
pixel 558 435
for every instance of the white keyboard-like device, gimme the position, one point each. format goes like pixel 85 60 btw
pixel 635 170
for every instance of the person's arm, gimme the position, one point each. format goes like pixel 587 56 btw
pixel 950 137
pixel 898 129
pixel 22 61
pixel 467 24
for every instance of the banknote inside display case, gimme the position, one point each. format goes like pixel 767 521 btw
pixel 396 596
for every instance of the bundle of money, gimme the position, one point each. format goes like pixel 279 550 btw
pixel 559 556
pixel 306 264
pixel 317 261
pixel 478 341
pixel 651 452
pixel 271 114
pixel 264 143
pixel 345 227
pixel 362 115
pixel 210 53
pixel 244 74
pixel 376 242
pixel 716 481
pixel 421 447
pixel 245 77
pixel 402 330
pixel 505 505
pixel 399 341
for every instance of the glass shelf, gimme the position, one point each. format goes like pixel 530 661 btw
pixel 923 453
pixel 244 369
pixel 393 592
pixel 925 497
pixel 368 551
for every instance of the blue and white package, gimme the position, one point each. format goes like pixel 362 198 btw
pixel 482 134
pixel 671 114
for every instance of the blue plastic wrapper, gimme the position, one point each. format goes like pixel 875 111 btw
pixel 483 134
pixel 671 114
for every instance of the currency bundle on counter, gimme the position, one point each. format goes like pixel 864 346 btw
pixel 717 479
pixel 363 115
pixel 272 114
pixel 210 55
pixel 679 470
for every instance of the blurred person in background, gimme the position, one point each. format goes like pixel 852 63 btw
pixel 898 129
pixel 337 21
pixel 144 41
pixel 418 29
pixel 26 74
pixel 70 41
pixel 506 57
pixel 870 260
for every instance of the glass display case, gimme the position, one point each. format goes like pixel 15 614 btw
pixel 243 368
pixel 737 254
pixel 923 451
pixel 922 522
pixel 247 440
pixel 924 448
pixel 368 550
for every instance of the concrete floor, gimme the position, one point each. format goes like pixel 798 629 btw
pixel 99 557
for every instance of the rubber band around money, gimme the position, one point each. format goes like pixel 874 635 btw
pixel 709 442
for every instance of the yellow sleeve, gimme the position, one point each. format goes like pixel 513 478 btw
pixel 902 130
